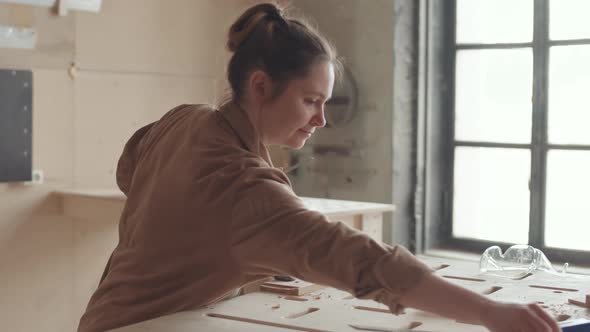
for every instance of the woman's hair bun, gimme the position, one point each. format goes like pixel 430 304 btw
pixel 249 21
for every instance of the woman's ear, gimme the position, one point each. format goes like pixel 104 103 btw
pixel 260 86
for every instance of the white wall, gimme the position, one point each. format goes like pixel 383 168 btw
pixel 134 60
pixel 366 36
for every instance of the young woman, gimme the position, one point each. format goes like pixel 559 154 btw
pixel 207 213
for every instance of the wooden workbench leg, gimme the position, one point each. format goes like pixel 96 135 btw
pixel 370 223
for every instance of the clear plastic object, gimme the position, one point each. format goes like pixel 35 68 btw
pixel 517 261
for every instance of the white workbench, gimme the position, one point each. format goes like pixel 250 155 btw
pixel 333 310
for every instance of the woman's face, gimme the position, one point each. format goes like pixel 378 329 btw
pixel 291 118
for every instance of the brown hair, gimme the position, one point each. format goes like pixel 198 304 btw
pixel 284 48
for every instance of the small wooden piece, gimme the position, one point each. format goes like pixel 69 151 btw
pixel 440 267
pixel 262 322
pixel 406 327
pixel 554 288
pixel 253 286
pixel 295 298
pixel 526 275
pixel 297 287
pixel 463 278
pixel 492 290
pixel 360 307
pixel 580 303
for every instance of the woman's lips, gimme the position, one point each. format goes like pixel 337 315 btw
pixel 308 133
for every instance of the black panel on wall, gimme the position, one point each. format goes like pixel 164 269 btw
pixel 16 98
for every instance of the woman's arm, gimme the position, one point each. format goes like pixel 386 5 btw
pixel 273 233
pixel 439 296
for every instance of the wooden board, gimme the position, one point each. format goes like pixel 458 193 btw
pixel 134 101
pixel 333 310
pixel 135 36
pixel 55 44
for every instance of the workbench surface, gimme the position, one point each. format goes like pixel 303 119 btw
pixel 333 310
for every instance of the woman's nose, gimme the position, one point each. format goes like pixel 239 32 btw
pixel 319 120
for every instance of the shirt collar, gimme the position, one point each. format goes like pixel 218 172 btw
pixel 239 121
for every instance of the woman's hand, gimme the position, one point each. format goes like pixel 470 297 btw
pixel 510 317
pixel 466 306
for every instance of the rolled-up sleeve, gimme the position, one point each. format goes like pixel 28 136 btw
pixel 274 233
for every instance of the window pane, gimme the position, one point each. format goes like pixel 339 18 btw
pixel 491 195
pixel 493 92
pixel 567 212
pixel 494 21
pixel 568 19
pixel 569 84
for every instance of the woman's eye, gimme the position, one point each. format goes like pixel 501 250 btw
pixel 309 101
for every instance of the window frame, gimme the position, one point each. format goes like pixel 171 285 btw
pixel 436 139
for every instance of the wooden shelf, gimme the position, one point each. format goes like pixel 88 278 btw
pixel 330 207
pixel 93 193
pixel 104 205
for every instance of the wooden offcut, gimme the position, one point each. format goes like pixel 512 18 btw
pixel 580 303
pixel 296 288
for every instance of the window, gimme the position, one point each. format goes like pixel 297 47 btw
pixel 518 125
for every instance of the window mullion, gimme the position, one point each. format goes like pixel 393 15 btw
pixel 539 129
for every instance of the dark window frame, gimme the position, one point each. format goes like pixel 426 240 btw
pixel 435 128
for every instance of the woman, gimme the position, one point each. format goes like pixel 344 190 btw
pixel 207 213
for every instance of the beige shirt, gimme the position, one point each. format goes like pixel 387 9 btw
pixel 207 212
